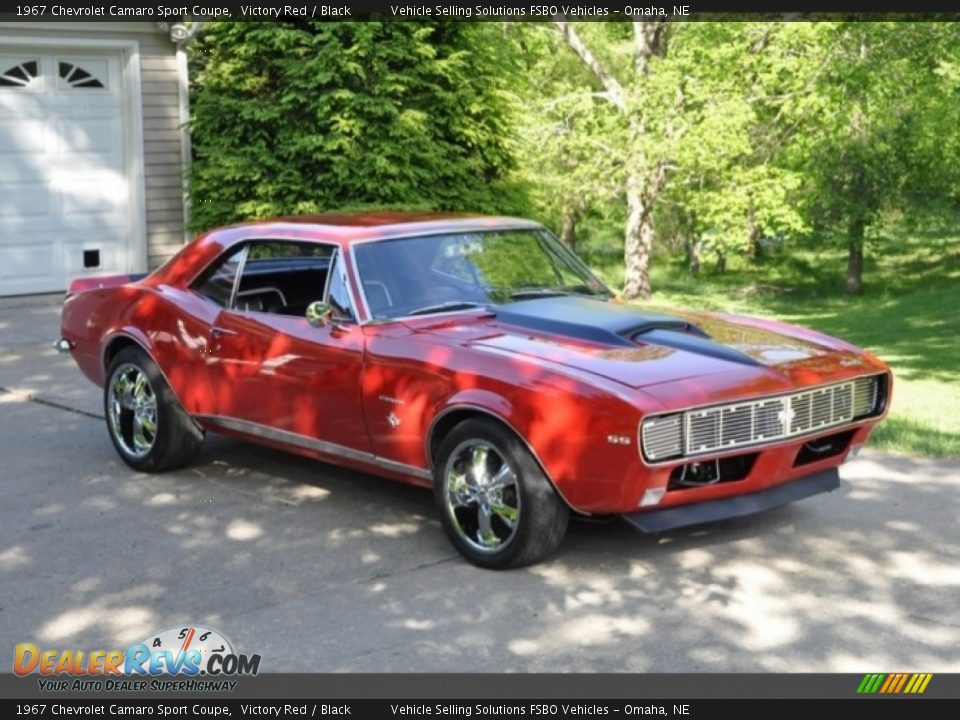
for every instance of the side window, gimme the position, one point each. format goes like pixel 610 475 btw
pixel 283 277
pixel 339 296
pixel 217 282
pixel 284 250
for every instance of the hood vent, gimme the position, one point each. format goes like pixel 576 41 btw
pixel 693 339
pixel 591 319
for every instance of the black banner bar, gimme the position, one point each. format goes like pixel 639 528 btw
pixel 484 709
pixel 493 10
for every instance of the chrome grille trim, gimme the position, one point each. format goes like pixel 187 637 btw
pixel 662 437
pixel 865 391
pixel 718 428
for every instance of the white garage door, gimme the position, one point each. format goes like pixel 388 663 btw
pixel 65 190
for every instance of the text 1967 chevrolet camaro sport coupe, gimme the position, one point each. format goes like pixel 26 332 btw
pixel 476 356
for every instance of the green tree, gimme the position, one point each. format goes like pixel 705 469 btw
pixel 884 134
pixel 571 140
pixel 730 182
pixel 694 101
pixel 306 117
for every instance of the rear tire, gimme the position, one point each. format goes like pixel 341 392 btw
pixel 147 425
pixel 496 504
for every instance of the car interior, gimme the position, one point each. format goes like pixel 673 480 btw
pixel 285 285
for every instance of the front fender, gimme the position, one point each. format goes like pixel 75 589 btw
pixel 584 440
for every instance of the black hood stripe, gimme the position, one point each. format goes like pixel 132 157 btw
pixel 599 321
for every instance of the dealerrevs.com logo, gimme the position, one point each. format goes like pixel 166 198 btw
pixel 185 652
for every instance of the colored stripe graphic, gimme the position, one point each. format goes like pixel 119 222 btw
pixel 870 683
pixel 894 683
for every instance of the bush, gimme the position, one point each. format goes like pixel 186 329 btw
pixel 308 117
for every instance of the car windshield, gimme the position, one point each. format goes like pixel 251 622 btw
pixel 444 273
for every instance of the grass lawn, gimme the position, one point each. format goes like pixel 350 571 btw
pixel 909 316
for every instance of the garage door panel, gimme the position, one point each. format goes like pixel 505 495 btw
pixel 28 258
pixel 24 200
pixel 94 136
pixel 22 137
pixel 24 169
pixel 93 254
pixel 101 192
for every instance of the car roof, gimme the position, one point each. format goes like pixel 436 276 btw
pixel 346 228
pixel 343 229
pixel 377 218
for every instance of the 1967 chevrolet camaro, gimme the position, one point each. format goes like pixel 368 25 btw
pixel 473 355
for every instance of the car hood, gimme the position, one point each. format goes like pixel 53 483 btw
pixel 635 347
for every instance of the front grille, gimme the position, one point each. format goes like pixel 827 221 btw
pixel 663 436
pixel 724 427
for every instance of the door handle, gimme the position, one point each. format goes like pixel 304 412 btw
pixel 218 332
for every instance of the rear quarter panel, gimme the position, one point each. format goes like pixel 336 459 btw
pixel 171 324
pixel 86 320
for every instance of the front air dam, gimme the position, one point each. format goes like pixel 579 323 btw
pixel 654 521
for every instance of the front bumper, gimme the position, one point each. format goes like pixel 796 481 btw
pixel 698 513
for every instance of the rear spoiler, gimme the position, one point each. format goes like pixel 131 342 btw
pixel 104 281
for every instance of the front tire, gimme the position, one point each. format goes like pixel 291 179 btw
pixel 147 425
pixel 496 504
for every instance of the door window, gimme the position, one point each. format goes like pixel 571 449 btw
pixel 283 278
pixel 218 281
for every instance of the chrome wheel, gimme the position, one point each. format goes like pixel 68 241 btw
pixel 482 496
pixel 132 410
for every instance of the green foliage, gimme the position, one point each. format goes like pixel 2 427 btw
pixel 302 118
pixel 883 134
pixel 776 131
pixel 727 179
pixel 570 140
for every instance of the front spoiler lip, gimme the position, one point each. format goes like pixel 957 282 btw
pixel 654 521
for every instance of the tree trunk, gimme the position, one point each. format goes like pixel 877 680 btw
pixel 638 241
pixel 855 257
pixel 693 254
pixel 721 262
pixel 568 231
pixel 753 233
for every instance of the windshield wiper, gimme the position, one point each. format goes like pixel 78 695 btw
pixel 449 306
pixel 538 292
pixel 535 292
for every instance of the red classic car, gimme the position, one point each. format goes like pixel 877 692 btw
pixel 473 355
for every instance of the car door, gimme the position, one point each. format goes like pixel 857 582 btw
pixel 278 376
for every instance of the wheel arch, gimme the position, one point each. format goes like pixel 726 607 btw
pixel 121 339
pixel 452 415
pixel 117 341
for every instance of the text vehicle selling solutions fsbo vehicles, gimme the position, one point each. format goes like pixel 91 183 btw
pixel 473 355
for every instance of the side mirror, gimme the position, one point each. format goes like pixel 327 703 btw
pixel 319 313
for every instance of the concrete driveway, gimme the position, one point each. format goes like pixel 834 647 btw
pixel 321 569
